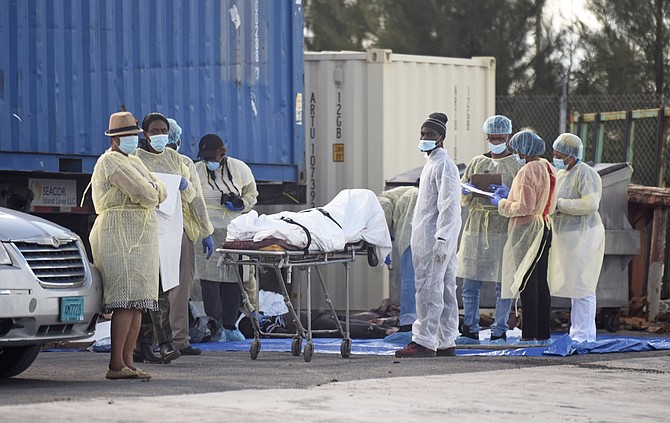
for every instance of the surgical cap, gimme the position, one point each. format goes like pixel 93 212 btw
pixel 497 125
pixel 527 142
pixel 174 134
pixel 569 144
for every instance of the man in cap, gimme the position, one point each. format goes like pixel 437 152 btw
pixel 435 228
pixel 229 190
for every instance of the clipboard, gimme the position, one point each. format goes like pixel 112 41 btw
pixel 483 180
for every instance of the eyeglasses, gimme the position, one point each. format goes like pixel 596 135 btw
pixel 496 139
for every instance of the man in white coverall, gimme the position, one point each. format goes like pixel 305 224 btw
pixel 435 228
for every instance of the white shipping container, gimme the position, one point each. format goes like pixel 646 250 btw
pixel 363 113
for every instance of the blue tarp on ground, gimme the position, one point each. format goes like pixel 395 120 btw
pixel 561 345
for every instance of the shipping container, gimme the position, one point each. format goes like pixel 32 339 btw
pixel 363 113
pixel 234 68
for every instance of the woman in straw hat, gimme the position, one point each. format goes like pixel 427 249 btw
pixel 124 240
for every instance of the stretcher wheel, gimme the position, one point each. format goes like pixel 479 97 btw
pixel 254 349
pixel 309 350
pixel 345 348
pixel 296 346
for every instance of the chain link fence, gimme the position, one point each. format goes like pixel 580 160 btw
pixel 542 113
pixel 641 141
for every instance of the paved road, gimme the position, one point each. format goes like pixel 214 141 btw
pixel 228 385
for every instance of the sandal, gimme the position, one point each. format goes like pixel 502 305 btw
pixel 124 373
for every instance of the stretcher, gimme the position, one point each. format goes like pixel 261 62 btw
pixel 287 260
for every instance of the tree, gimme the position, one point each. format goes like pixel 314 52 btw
pixel 510 30
pixel 626 54
pixel 341 25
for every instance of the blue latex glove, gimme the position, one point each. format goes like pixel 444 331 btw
pixel 208 246
pixel 183 184
pixel 501 190
pixel 466 191
pixel 230 206
pixel 495 199
pixel 387 260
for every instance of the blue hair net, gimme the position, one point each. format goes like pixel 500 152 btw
pixel 174 133
pixel 569 144
pixel 527 142
pixel 497 125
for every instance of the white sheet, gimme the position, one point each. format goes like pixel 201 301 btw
pixel 170 228
pixel 357 210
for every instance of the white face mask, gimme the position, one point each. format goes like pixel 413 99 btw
pixel 520 160
pixel 560 163
pixel 213 166
pixel 427 145
pixel 128 143
pixel 497 148
pixel 158 142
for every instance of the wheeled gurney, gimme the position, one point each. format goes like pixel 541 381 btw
pixel 304 260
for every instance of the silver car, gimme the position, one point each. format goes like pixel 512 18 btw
pixel 49 292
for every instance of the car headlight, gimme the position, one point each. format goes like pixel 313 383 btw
pixel 4 255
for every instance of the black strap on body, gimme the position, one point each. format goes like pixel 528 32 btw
pixel 323 212
pixel 309 236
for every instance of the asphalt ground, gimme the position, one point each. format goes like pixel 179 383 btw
pixel 77 376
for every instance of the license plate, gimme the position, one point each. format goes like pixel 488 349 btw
pixel 72 309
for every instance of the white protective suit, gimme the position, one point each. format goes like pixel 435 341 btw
pixel 485 231
pixel 243 182
pixel 529 208
pixel 124 238
pixel 578 246
pixel 437 215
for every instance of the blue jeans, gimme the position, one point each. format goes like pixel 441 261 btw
pixel 407 290
pixel 471 290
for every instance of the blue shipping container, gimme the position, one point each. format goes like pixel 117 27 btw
pixel 234 68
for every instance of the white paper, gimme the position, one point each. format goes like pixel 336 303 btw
pixel 170 230
pixel 477 190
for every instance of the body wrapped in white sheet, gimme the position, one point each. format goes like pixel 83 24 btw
pixel 357 211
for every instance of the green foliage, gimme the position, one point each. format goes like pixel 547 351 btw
pixel 451 28
pixel 626 54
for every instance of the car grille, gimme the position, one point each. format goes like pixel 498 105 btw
pixel 61 266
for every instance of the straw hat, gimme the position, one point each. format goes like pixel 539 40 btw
pixel 122 123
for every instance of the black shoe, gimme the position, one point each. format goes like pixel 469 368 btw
pixel 190 351
pixel 144 353
pixel 169 352
pixel 503 337
pixel 466 332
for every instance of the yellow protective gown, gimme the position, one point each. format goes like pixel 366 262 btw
pixel 196 219
pixel 402 218
pixel 124 238
pixel 485 231
pixel 170 162
pixel 389 200
pixel 578 243
pixel 220 216
pixel 527 200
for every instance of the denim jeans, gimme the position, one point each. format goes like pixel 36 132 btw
pixel 407 290
pixel 471 290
